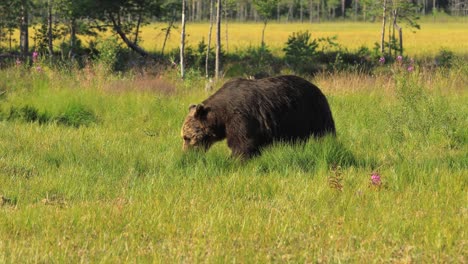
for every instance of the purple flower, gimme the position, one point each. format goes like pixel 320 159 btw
pixel 35 55
pixel 410 68
pixel 38 69
pixel 18 62
pixel 375 179
pixel 382 60
pixel 399 58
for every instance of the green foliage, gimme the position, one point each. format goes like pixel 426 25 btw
pixel 300 51
pixel 77 115
pixel 28 113
pixel 252 61
pixel 74 115
pixel 265 8
pixel 110 54
pixel 445 58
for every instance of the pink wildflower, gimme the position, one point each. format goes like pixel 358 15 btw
pixel 410 68
pixel 35 55
pixel 382 60
pixel 375 179
pixel 18 62
pixel 399 58
pixel 38 69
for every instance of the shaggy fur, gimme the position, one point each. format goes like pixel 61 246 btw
pixel 251 114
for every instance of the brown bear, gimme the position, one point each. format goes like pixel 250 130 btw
pixel 251 114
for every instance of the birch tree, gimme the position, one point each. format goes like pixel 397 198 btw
pixel 265 9
pixel 208 47
pixel 182 42
pixel 218 39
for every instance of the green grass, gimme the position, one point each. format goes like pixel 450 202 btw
pixel 120 189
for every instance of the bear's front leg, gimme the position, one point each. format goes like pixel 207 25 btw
pixel 242 147
pixel 242 138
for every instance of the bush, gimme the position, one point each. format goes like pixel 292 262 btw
pixel 256 60
pixel 444 58
pixel 77 115
pixel 195 58
pixel 110 54
pixel 300 52
pixel 28 113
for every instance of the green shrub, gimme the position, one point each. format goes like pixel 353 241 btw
pixel 300 51
pixel 445 58
pixel 110 54
pixel 254 60
pixel 77 115
pixel 28 113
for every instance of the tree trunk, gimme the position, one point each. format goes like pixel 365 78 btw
pixel 356 2
pixel 10 33
pixel 199 10
pixel 364 11
pixel 390 38
pixel 168 31
pixel 192 16
pixel 117 27
pixel 71 53
pixel 384 20
pixel 343 2
pixel 301 11
pixel 278 12
pixel 218 40
pixel 24 28
pixel 182 42
pixel 209 40
pixel 137 30
pixel 400 32
pixel 49 29
pixel 263 31
pixel 311 8
pixel 226 24
pixel 319 8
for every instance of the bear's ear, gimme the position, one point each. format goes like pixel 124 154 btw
pixel 192 106
pixel 198 111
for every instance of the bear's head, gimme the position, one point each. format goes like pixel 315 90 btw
pixel 197 132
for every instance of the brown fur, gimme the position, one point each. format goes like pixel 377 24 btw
pixel 251 114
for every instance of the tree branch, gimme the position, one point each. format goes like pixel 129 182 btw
pixel 123 36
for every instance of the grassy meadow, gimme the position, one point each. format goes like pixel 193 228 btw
pixel 352 35
pixel 91 170
pixel 451 35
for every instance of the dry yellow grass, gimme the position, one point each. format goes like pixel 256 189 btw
pixel 429 40
pixel 352 35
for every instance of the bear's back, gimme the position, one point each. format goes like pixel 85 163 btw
pixel 284 107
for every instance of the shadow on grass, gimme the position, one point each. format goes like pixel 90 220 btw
pixel 280 157
pixel 208 164
pixel 309 157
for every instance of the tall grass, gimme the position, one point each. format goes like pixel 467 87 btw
pixel 119 188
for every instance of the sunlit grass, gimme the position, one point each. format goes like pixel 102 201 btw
pixel 433 36
pixel 427 41
pixel 120 189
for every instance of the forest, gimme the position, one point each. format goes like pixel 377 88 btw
pixel 60 27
